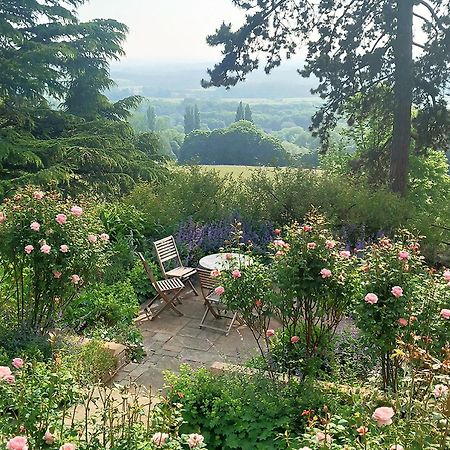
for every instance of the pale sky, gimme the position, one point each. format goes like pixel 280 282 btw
pixel 166 30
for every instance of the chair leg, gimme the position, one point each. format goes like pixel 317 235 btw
pixel 169 304
pixel 192 286
pixel 231 324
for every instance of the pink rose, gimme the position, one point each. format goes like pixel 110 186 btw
pixel 415 246
pixel 446 275
pixel 35 226
pixel 17 363
pixel 195 440
pixel 362 431
pixel 159 439
pixel 4 371
pixel 61 219
pixel 383 415
pixel 57 274
pixel 270 333
pixel 440 390
pixel 307 227
pixel 29 249
pixel 330 244
pixel 396 447
pixel 402 322
pixel 68 446
pixel 397 291
pixel 92 238
pixel 64 248
pixel 403 255
pixel 11 379
pixel 279 253
pixel 295 339
pixel 278 243
pixel 219 290
pixel 345 254
pixel 326 273
pixel 311 245
pixel 236 274
pixel 17 443
pixel 76 211
pixel 445 313
pixel 215 273
pixel 228 256
pixel 49 438
pixel 2 217
pixel 322 437
pixel 38 195
pixel 277 231
pixel 46 249
pixel 258 303
pixel 371 298
pixel 104 237
pixel 75 279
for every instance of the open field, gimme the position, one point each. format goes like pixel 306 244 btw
pixel 237 171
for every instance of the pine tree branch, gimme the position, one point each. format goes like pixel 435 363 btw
pixel 433 14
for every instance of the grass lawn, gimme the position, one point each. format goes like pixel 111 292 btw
pixel 237 171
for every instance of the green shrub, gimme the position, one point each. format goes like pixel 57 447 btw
pixel 140 281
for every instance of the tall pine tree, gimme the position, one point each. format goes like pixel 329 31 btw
pixel 240 114
pixel 248 113
pixel 151 118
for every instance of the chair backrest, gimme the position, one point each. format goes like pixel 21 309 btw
pixel 206 280
pixel 166 250
pixel 149 272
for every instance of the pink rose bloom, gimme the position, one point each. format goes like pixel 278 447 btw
pixel 2 217
pixel 371 298
pixel 49 438
pixel 195 440
pixel 279 253
pixel 383 415
pixel 311 245
pixel 160 439
pixel 403 255
pixel 17 363
pixel 445 313
pixel 396 447
pixel 68 446
pixel 57 274
pixel 236 274
pixel 104 237
pixel 4 371
pixel 440 390
pixel 307 227
pixel 215 273
pixel 258 303
pixel 326 273
pixel 92 238
pixel 278 243
pixel 277 231
pixel 345 254
pixel 61 219
pixel 286 246
pixel 17 443
pixel 38 195
pixel 29 249
pixel 322 437
pixel 64 248
pixel 228 256
pixel 75 279
pixel 11 379
pixel 446 275
pixel 46 249
pixel 362 431
pixel 76 211
pixel 397 291
pixel 330 244
pixel 295 339
pixel 402 322
pixel 415 246
pixel 35 226
pixel 219 290
pixel 270 333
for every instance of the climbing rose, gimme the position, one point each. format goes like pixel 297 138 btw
pixel 92 238
pixel 383 415
pixel 330 244
pixel 2 217
pixel 75 279
pixel 279 253
pixel 445 313
pixel 440 390
pixel 10 379
pixel 38 195
pixel 403 255
pixel 397 291
pixel 278 243
pixel 344 254
pixel 64 248
pixel 68 446
pixel 322 437
pixel 236 274
pixel 295 339
pixel 326 273
pixel 258 303
pixel 195 440
pixel 362 430
pixel 446 275
pixel 219 290
pixel 4 372
pixel 104 237
pixel 17 443
pixel 402 322
pixel 307 227
pixel 46 249
pixel 17 363
pixel 311 245
pixel 160 439
pixel 57 274
pixel 371 298
pixel 215 273
pixel 49 438
pixel 76 211
pixel 61 219
pixel 35 226
pixel 270 333
pixel 29 249
pixel 277 231
pixel 228 256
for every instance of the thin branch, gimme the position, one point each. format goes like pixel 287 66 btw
pixel 419 45
pixel 433 14
pixel 426 21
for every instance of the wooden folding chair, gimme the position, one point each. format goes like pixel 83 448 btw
pixel 213 303
pixel 167 290
pixel 167 254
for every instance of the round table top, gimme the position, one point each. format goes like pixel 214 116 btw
pixel 221 262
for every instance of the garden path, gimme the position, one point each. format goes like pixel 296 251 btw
pixel 171 340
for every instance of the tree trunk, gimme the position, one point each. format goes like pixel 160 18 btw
pixel 403 87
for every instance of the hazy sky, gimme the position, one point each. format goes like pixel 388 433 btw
pixel 166 30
